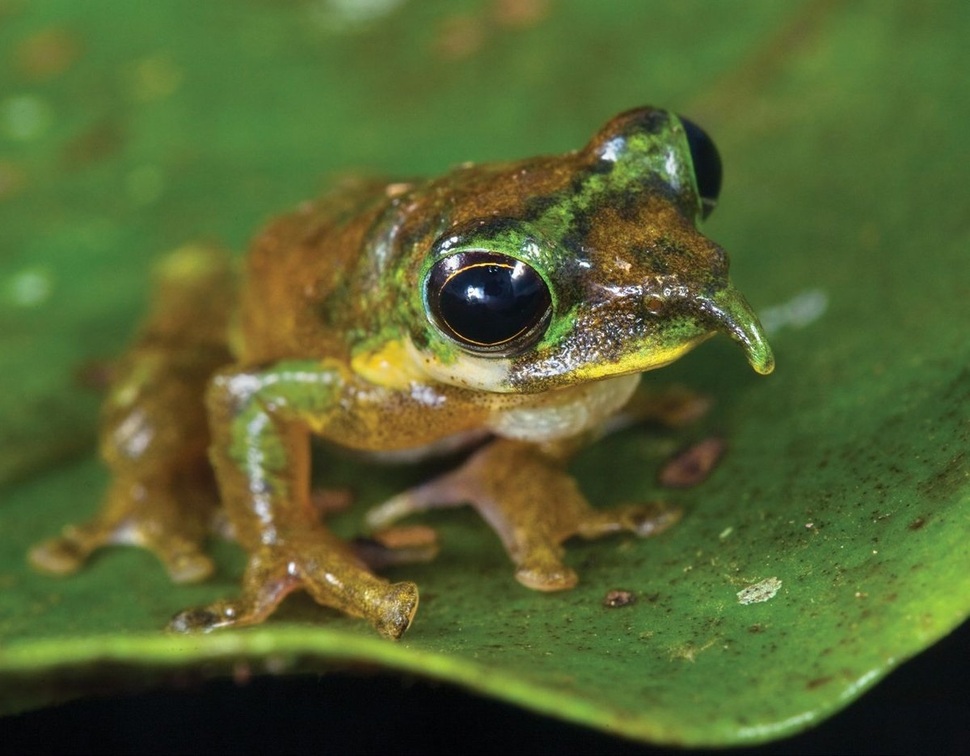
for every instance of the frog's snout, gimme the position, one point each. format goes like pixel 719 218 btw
pixel 729 313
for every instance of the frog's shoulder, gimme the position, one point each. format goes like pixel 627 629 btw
pixel 300 260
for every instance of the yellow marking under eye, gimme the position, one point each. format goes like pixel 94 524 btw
pixel 391 366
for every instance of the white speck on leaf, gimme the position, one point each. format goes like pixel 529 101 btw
pixel 24 117
pixel 759 592
pixel 801 310
pixel 28 288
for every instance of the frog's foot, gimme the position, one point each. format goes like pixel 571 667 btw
pixel 673 407
pixel 133 517
pixel 320 564
pixel 643 520
pixel 531 503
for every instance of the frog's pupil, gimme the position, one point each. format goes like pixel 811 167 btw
pixel 486 300
pixel 707 165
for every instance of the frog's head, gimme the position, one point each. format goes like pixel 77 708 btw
pixel 561 270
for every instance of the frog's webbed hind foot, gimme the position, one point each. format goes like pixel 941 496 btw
pixel 531 503
pixel 320 564
pixel 135 514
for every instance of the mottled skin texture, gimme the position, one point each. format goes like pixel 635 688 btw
pixel 331 335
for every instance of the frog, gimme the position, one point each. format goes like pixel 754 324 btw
pixel 508 309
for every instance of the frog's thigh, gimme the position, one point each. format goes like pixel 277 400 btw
pixel 260 430
pixel 162 495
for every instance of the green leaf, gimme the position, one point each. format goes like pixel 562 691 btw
pixel 845 492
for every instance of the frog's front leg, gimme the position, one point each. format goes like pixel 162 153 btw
pixel 524 493
pixel 260 424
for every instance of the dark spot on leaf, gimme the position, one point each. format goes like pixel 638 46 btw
pixel 693 465
pixel 954 475
pixel 617 598
pixel 917 524
pixel 818 682
pixel 98 143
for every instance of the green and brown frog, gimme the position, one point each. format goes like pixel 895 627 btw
pixel 508 307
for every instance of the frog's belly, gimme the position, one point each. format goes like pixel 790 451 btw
pixel 440 448
pixel 574 411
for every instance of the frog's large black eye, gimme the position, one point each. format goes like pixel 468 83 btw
pixel 707 165
pixel 488 302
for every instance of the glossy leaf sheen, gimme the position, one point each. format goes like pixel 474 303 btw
pixel 845 492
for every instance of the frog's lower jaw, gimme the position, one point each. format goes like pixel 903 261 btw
pixel 502 375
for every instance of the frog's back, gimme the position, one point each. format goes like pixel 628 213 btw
pixel 297 292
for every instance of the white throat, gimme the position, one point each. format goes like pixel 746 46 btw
pixel 566 412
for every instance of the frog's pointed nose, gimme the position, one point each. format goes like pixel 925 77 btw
pixel 731 314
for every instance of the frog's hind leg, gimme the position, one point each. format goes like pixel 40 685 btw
pixel 149 511
pixel 531 503
pixel 154 434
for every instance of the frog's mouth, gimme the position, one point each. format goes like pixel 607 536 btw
pixel 728 312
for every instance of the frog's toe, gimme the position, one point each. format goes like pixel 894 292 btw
pixel 448 490
pixel 203 619
pixel 190 566
pixel 650 519
pixel 59 556
pixel 397 610
pixel 546 576
pixel 416 544
pixel 183 557
pixel 643 520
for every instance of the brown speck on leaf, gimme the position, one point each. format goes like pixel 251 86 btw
pixel 693 465
pixel 617 598
pixel 98 143
pixel 818 682
pixel 460 37
pixel 48 53
pixel 520 14
pixel 12 179
pixel 918 523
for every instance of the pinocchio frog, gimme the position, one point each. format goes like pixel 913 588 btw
pixel 509 307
